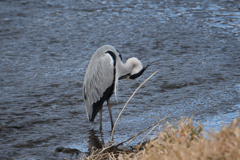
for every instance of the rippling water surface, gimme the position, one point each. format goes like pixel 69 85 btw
pixel 45 47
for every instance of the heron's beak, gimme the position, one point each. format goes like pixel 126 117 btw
pixel 125 76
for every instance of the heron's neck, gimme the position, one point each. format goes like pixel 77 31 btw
pixel 132 65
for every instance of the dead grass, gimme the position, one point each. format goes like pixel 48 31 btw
pixel 181 141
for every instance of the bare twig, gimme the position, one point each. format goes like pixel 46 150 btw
pixel 128 102
pixel 149 132
pixel 135 136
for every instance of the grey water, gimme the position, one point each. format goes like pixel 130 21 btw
pixel 45 47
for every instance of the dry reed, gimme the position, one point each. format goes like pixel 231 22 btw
pixel 129 101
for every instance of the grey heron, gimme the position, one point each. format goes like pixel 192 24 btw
pixel 101 79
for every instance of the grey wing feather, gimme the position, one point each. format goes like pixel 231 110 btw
pixel 99 76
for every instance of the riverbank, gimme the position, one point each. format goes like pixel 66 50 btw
pixel 182 140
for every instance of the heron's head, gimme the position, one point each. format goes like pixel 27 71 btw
pixel 136 75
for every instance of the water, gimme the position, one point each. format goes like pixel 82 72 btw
pixel 46 47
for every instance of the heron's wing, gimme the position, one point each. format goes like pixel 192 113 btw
pixel 99 76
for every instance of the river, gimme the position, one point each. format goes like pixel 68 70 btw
pixel 45 47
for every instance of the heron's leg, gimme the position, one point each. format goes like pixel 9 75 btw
pixel 110 113
pixel 100 119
